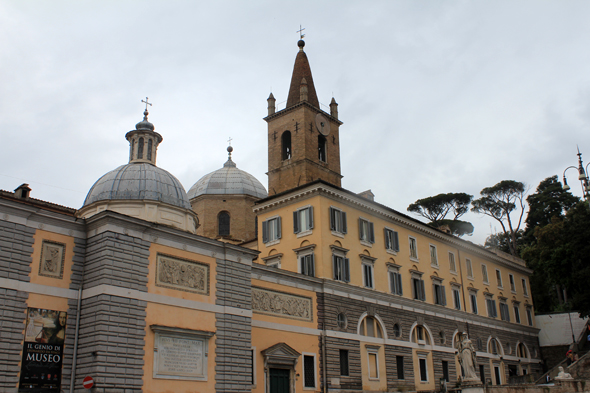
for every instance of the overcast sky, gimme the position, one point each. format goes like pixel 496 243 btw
pixel 435 96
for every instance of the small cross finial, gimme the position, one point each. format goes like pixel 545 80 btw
pixel 146 103
pixel 300 31
pixel 229 140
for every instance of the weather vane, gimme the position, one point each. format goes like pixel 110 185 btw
pixel 300 31
pixel 146 103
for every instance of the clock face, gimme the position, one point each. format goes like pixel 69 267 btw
pixel 322 124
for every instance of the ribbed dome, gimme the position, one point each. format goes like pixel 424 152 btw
pixel 228 180
pixel 139 181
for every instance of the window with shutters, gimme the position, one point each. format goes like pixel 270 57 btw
pixel 512 283
pixel 341 268
pixel 469 268
pixel 433 256
pixel 223 224
pixel 367 265
pixel 529 315
pixel 473 299
pixel 271 231
pixel 366 232
pixel 309 371
pixel 484 274
pixel 337 221
pixel 491 306
pixel 493 346
pixel 504 312
pixel 395 281
pixel 418 287
pixel 307 265
pixel 525 290
pixel 452 264
pixel 344 370
pixel 413 248
pixel 303 221
pixel 516 307
pixel 438 292
pixel 456 298
pixel 373 356
pixel 391 240
pixel 499 278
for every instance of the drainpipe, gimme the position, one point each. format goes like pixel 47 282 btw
pixel 324 335
pixel 73 375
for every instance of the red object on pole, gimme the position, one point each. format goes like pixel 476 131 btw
pixel 88 382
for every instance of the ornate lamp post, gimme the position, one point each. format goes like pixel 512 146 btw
pixel 581 176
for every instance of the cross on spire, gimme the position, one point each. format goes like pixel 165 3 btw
pixel 229 140
pixel 300 31
pixel 146 103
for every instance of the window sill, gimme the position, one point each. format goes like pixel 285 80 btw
pixel 513 291
pixel 392 252
pixel 470 278
pixel 338 234
pixel 366 243
pixel 454 273
pixel 500 287
pixel 272 242
pixel 304 233
pixel 414 259
pixel 435 266
pixel 486 283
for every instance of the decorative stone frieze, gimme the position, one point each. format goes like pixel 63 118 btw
pixel 281 304
pixel 52 259
pixel 182 274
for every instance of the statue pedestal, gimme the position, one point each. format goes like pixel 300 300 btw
pixel 472 388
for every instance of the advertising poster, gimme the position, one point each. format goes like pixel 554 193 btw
pixel 43 351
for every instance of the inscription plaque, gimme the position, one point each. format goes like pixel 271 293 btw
pixel 52 259
pixel 180 353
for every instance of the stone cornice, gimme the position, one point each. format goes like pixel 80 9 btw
pixel 298 105
pixel 352 199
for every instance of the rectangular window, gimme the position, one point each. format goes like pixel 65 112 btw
pixel 484 273
pixel 399 361
pixel 337 220
pixel 473 298
pixel 413 248
pixel 516 313
pixel 391 240
pixel 271 230
pixel 492 311
pixel 469 268
pixel 366 231
pixel 309 371
pixel 423 370
pixel 341 268
pixel 529 316
pixel 504 312
pixel 253 372
pixel 452 264
pixel 433 257
pixel 525 290
pixel 457 298
pixel 445 370
pixel 303 220
pixel 344 362
pixel 373 366
pixel 499 278
pixel 395 282
pixel 368 274
pixel 418 288
pixel 308 265
pixel 512 283
pixel 438 291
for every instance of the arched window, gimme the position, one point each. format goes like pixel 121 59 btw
pixel 370 327
pixel 140 149
pixel 342 321
pixel 521 351
pixel 286 145
pixel 149 152
pixel 223 223
pixel 494 347
pixel 420 335
pixel 397 331
pixel 132 148
pixel 322 148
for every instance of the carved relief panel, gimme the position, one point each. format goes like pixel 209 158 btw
pixel 281 304
pixel 52 259
pixel 182 274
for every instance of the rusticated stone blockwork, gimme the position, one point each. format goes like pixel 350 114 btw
pixel 13 308
pixel 111 342
pixel 16 247
pixel 117 259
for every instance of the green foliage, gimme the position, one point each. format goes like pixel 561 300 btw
pixel 501 241
pixel 498 202
pixel 436 208
pixel 457 227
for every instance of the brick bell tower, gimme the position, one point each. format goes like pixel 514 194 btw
pixel 303 140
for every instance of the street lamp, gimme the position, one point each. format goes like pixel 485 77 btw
pixel 581 176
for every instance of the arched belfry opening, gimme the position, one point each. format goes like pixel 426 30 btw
pixel 322 148
pixel 140 149
pixel 286 145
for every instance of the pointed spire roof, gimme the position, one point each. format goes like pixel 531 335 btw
pixel 301 71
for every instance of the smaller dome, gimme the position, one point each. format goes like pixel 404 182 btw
pixel 228 180
pixel 144 125
pixel 139 181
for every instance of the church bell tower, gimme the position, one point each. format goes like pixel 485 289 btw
pixel 303 140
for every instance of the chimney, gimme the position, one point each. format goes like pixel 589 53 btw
pixel 22 191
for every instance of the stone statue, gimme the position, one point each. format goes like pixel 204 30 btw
pixel 563 375
pixel 467 359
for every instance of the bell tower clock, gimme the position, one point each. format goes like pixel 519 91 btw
pixel 303 140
